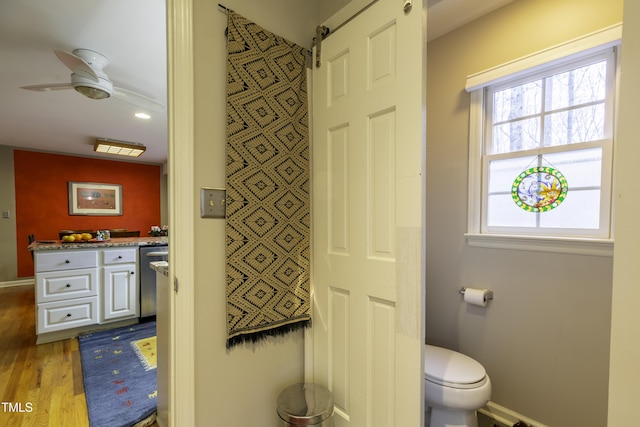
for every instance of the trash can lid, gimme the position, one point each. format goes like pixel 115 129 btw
pixel 305 404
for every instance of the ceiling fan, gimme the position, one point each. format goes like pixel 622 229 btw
pixel 88 78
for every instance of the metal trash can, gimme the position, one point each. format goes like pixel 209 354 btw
pixel 305 404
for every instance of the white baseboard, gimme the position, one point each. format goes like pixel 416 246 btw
pixel 507 416
pixel 21 282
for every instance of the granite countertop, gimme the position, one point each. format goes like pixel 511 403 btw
pixel 47 245
pixel 160 267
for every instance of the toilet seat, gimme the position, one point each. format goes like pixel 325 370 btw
pixel 452 369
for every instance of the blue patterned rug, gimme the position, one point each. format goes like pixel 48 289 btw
pixel 120 391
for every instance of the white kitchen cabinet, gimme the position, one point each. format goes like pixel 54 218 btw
pixel 66 284
pixel 61 315
pixel 78 288
pixel 65 260
pixel 66 290
pixel 119 284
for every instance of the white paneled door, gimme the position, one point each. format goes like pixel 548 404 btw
pixel 368 140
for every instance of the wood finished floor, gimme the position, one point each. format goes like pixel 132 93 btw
pixel 46 378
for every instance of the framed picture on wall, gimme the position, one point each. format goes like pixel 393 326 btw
pixel 91 198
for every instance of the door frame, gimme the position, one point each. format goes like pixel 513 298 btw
pixel 181 185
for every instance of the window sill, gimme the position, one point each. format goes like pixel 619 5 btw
pixel 563 245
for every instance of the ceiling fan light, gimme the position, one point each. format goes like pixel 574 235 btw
pixel 122 148
pixel 92 92
pixel 91 87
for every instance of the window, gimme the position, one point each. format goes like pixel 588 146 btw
pixel 560 120
pixel 541 143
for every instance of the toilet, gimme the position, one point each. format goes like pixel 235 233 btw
pixel 456 386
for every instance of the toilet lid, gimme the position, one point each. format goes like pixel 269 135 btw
pixel 453 369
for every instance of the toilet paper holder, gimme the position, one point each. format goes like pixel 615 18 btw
pixel 489 295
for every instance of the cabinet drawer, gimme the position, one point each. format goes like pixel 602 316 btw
pixel 60 285
pixel 119 256
pixel 60 315
pixel 65 260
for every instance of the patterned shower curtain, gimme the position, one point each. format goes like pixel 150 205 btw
pixel 268 200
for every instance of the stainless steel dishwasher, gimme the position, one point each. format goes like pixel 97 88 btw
pixel 148 277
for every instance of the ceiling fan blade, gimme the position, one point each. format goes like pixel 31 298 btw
pixel 137 99
pixel 74 63
pixel 48 87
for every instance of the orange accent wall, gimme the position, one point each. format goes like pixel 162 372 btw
pixel 42 203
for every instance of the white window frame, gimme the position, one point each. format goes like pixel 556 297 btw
pixel 476 84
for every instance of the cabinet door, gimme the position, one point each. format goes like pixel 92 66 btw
pixel 120 296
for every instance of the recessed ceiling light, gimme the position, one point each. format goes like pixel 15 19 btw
pixel 142 116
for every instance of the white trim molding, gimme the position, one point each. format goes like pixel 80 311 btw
pixel 476 132
pixel 507 416
pixel 564 245
pixel 19 282
pixel 181 212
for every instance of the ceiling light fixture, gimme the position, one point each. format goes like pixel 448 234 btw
pixel 92 92
pixel 142 116
pixel 123 148
pixel 94 84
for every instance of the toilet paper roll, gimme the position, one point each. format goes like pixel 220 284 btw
pixel 476 296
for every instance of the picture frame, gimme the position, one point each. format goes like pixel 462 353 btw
pixel 92 198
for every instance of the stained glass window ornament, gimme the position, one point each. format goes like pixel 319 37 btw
pixel 539 189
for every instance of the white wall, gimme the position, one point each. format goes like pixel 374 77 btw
pixel 625 338
pixel 544 340
pixel 237 387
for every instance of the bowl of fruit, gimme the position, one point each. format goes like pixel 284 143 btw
pixel 77 238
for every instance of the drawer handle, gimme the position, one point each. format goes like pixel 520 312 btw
pixel 68 314
pixel 67 261
pixel 68 285
pixel 119 256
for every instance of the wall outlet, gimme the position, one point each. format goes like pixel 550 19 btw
pixel 6 214
pixel 212 202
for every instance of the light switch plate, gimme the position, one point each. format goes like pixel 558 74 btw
pixel 212 202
